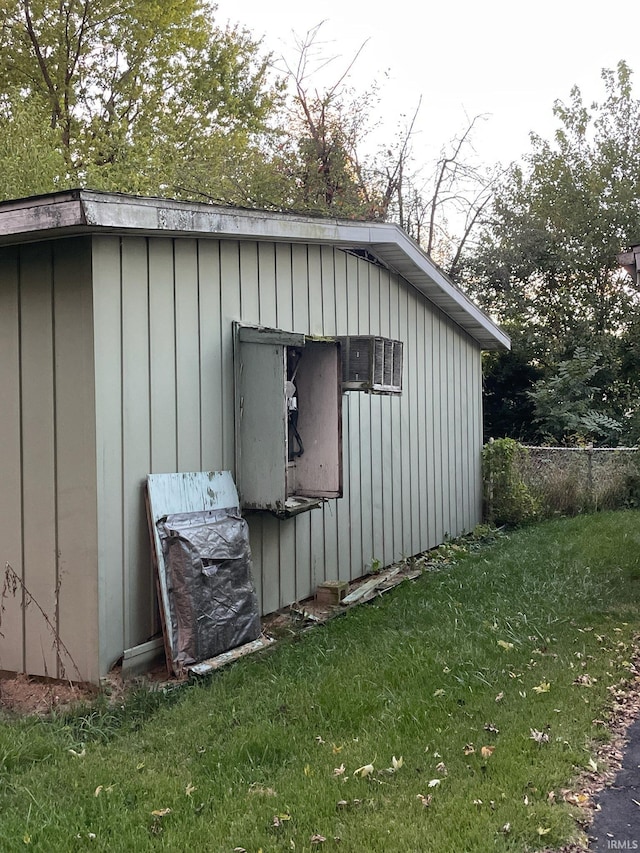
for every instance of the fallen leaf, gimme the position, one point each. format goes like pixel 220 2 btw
pixel 318 839
pixel 279 819
pixel 397 763
pixel 365 770
pixel 442 768
pixel 140 766
pixel 426 801
pixel 434 783
pixel 500 696
pixel 506 828
pixel 469 749
pixel 490 727
pixel 505 645
pixel 319 740
pixel 336 749
pixel 541 830
pixel 239 850
pixel 551 797
pixel 161 812
pixel 338 771
pixel 98 790
pixel 439 692
pixel 539 737
pixel 477 802
pixel 593 765
pixel 487 751
pixel 80 754
pixel 526 800
pixel 543 687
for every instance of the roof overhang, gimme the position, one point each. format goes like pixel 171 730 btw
pixel 78 212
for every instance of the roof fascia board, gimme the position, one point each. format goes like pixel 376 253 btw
pixel 41 214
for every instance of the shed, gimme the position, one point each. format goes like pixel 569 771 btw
pixel 143 335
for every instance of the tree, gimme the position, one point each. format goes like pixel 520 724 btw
pixel 565 403
pixel 120 91
pixel 328 126
pixel 547 260
pixel 333 168
pixel 444 211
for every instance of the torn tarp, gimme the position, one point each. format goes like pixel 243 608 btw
pixel 212 600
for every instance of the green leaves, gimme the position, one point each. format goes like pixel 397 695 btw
pixel 145 97
pixel 547 266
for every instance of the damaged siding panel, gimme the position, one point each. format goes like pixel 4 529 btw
pixel 12 641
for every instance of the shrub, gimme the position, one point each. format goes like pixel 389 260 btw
pixel 507 499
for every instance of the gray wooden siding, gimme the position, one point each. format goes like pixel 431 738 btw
pixel 47 457
pixel 163 311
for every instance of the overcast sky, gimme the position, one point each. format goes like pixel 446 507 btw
pixel 504 58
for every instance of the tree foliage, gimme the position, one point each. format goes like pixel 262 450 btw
pixel 547 263
pixel 129 96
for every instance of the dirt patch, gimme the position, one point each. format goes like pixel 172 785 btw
pixel 21 695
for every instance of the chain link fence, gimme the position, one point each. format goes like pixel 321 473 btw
pixel 571 480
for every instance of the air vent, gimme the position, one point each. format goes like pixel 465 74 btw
pixel 371 364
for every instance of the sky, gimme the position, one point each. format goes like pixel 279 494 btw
pixel 503 59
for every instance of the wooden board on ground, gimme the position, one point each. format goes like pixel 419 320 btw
pixel 369 587
pixel 207 666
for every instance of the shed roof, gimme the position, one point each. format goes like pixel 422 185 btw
pixel 79 211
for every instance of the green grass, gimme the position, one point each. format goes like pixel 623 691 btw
pixel 415 674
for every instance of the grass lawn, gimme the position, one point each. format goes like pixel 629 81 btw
pixel 404 726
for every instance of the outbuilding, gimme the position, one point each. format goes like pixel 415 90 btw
pixel 143 336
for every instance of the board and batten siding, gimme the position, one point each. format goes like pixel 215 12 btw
pixel 163 310
pixel 48 517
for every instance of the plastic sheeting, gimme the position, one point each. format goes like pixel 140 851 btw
pixel 212 600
